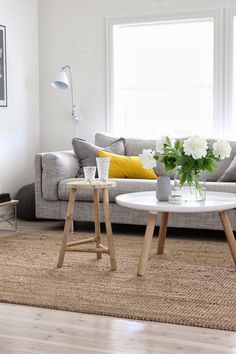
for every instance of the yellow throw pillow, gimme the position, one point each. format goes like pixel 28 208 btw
pixel 127 167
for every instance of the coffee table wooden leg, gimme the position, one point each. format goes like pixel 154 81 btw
pixel 109 229
pixel 69 217
pixel 97 219
pixel 147 242
pixel 228 233
pixel 162 233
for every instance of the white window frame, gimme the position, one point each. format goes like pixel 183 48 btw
pixel 230 13
pixel 222 61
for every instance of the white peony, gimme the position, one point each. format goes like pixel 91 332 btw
pixel 147 158
pixel 160 144
pixel 221 149
pixel 195 146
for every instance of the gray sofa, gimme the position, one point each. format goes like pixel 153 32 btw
pixel 54 170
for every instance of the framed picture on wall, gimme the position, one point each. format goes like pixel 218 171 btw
pixel 3 67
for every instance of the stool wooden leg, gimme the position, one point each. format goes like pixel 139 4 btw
pixel 162 233
pixel 109 229
pixel 147 242
pixel 97 219
pixel 69 216
pixel 228 233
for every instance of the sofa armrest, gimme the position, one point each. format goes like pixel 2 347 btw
pixel 55 167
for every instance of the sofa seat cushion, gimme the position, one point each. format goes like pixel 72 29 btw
pixel 123 185
pixel 224 187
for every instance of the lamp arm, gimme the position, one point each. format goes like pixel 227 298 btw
pixel 71 84
pixel 75 115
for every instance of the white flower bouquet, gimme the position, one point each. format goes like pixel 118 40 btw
pixel 188 157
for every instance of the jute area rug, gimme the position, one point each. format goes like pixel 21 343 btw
pixel 193 283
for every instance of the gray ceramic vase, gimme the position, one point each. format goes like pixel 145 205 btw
pixel 163 188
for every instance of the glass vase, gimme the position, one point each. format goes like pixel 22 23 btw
pixel 194 192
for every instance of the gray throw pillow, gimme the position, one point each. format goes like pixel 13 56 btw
pixel 86 152
pixel 230 173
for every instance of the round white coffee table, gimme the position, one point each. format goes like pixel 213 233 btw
pixel 219 202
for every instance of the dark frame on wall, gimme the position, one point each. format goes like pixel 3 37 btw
pixel 3 67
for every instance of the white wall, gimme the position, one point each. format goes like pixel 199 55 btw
pixel 19 122
pixel 73 32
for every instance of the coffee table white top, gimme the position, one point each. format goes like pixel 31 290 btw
pixel 215 201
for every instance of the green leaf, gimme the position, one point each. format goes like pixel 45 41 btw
pixel 168 141
pixel 177 144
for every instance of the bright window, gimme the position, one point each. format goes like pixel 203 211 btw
pixel 233 131
pixel 162 79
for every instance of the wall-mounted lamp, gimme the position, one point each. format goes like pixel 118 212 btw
pixel 62 82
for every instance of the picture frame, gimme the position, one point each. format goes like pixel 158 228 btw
pixel 3 67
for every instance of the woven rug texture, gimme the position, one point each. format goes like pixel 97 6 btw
pixel 193 283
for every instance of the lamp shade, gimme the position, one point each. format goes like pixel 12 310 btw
pixel 61 81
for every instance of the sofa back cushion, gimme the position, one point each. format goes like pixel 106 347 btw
pixel 222 165
pixel 86 152
pixel 134 146
pixel 230 174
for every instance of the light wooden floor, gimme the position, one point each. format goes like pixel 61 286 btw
pixel 32 330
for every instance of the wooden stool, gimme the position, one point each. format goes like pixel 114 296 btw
pixel 99 249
